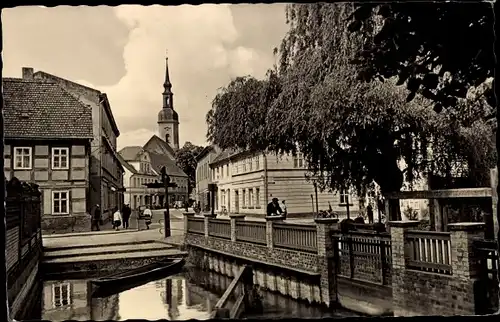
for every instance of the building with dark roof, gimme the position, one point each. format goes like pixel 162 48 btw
pixel 106 171
pixel 48 135
pixel 246 181
pixel 204 175
pixel 143 163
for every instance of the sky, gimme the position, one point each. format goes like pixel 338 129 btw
pixel 121 51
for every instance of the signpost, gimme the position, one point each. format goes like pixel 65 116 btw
pixel 165 178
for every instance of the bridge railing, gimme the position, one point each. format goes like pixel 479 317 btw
pixel 251 231
pixel 429 251
pixel 219 228
pixel 294 236
pixel 364 255
pixel 196 225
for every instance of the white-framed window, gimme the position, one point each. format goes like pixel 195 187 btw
pixel 257 165
pixel 257 197
pixel 344 196
pixel 244 197
pixel 60 158
pixel 60 202
pixel 227 171
pixel 250 164
pixel 22 158
pixel 61 295
pixel 244 166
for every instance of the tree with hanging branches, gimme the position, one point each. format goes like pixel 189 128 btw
pixel 351 132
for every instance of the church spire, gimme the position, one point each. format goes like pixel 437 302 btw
pixel 167 92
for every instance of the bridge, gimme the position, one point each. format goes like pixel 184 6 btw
pixel 404 271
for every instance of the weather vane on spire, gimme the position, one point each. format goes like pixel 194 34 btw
pixel 166 53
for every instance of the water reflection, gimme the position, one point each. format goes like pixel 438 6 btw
pixel 189 295
pixel 173 298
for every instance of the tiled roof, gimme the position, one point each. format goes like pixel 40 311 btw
pixel 224 154
pixel 160 160
pixel 204 152
pixel 129 153
pixel 125 164
pixel 155 141
pixel 40 109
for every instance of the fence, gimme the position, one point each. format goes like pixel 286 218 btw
pixel 23 235
pixel 251 231
pixel 219 228
pixel 297 237
pixel 364 256
pixel 429 251
pixel 196 225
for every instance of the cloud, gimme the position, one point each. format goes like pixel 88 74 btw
pixel 201 59
pixel 206 48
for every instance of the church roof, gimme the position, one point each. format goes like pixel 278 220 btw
pixel 157 145
pixel 129 153
pixel 160 160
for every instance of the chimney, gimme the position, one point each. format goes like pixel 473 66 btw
pixel 27 73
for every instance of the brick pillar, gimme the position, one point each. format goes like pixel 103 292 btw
pixel 464 260
pixel 398 246
pixel 207 217
pixel 187 215
pixel 465 267
pixel 234 218
pixel 269 228
pixel 326 259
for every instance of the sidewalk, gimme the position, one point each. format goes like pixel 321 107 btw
pixel 106 237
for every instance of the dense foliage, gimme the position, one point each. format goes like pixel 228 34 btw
pixel 185 158
pixel 351 132
pixel 440 50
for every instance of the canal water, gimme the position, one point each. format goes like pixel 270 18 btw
pixel 178 297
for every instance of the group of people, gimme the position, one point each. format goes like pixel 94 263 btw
pixel 274 208
pixel 119 217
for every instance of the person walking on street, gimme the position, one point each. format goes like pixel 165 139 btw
pixel 96 219
pixel 148 216
pixel 117 219
pixel 126 215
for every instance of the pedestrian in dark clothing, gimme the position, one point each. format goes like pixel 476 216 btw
pixel 126 215
pixel 273 208
pixel 96 218
pixel 369 213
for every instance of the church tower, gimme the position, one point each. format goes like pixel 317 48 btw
pixel 168 119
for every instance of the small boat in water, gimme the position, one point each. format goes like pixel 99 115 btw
pixel 119 282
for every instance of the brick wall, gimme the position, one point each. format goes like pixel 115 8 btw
pixel 419 293
pixel 65 224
